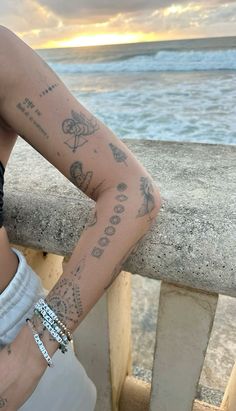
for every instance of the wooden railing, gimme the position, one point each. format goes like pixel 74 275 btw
pixel 191 250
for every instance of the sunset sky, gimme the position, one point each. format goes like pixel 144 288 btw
pixel 66 23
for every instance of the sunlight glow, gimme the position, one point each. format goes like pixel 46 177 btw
pixel 102 39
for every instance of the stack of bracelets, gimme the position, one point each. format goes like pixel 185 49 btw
pixel 56 328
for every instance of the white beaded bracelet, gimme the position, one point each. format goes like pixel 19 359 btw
pixel 41 306
pixel 52 326
pixel 40 344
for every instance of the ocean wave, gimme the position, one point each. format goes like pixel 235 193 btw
pixel 192 60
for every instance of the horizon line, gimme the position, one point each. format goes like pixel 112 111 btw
pixel 135 42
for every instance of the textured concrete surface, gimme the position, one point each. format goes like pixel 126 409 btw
pixel 193 242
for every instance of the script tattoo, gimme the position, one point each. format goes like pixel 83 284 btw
pixel 148 199
pixel 79 178
pixel 78 127
pixel 29 109
pixel 118 154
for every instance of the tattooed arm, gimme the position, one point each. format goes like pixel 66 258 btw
pixel 120 219
pixel 39 107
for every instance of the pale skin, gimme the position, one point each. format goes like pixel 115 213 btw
pixel 35 104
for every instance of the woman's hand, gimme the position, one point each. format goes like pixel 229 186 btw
pixel 21 368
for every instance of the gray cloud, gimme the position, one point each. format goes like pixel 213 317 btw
pixel 25 15
pixel 105 8
pixel 90 8
pixel 39 21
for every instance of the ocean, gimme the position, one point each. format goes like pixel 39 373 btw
pixel 182 90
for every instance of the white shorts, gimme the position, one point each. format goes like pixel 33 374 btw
pixel 66 386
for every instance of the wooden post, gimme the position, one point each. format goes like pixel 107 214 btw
pixel 135 396
pixel 48 266
pixel 229 399
pixel 102 342
pixel 185 320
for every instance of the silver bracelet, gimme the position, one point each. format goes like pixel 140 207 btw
pixel 41 304
pixel 52 326
pixel 40 344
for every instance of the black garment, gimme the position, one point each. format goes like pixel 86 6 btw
pixel 2 170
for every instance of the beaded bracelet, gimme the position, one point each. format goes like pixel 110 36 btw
pixel 50 321
pixel 52 327
pixel 40 344
pixel 42 304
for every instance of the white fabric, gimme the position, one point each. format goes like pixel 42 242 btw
pixel 66 386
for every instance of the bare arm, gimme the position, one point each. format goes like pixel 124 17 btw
pixel 39 107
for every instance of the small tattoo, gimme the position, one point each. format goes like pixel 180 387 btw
pixel 78 127
pixel 80 179
pixel 148 200
pixel 119 208
pixel 9 349
pixel 121 187
pixel 3 402
pixel 121 197
pixel 48 89
pixel 115 219
pixel 103 241
pixel 118 266
pixel 92 219
pixel 109 230
pixel 93 194
pixel 97 252
pixel 118 154
pixel 76 272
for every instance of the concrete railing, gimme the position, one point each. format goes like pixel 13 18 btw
pixel 191 250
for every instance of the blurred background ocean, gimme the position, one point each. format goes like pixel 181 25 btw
pixel 182 90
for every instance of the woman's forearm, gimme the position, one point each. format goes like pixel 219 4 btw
pixel 121 217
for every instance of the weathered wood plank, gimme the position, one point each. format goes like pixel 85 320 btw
pixel 185 319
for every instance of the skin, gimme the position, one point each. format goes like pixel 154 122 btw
pixel 82 148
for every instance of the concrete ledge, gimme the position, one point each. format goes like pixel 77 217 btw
pixel 193 242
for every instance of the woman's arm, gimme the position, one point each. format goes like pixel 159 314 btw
pixel 40 108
